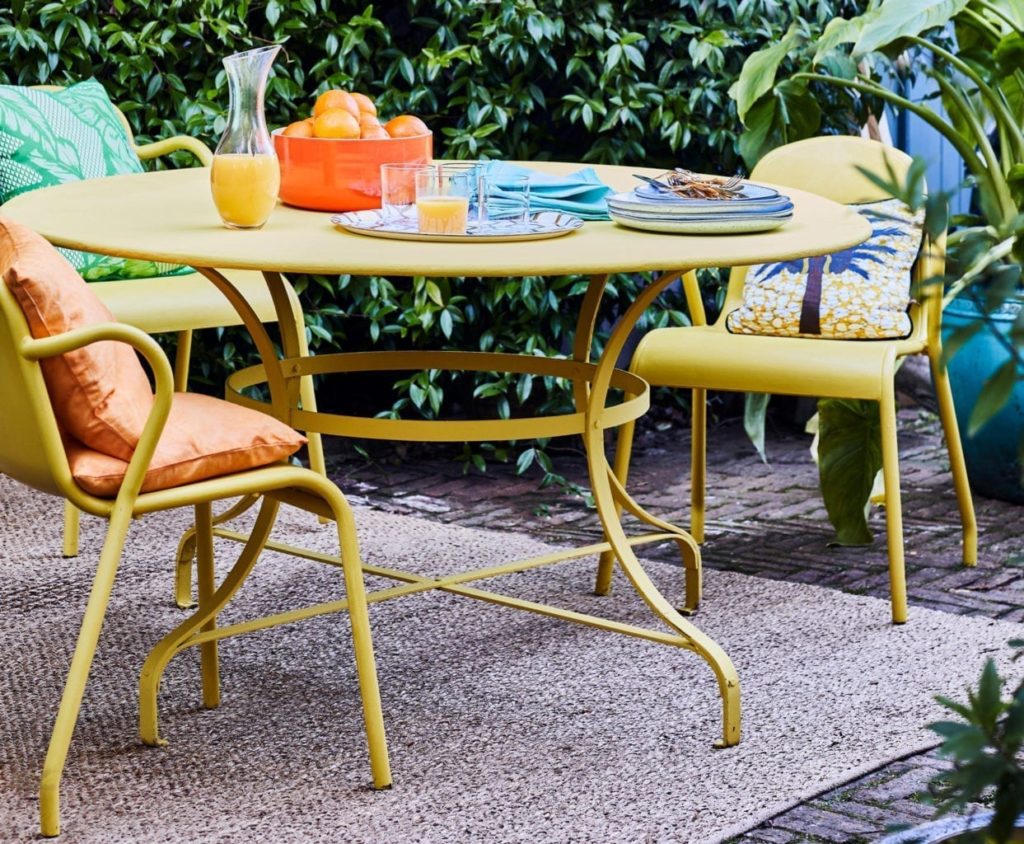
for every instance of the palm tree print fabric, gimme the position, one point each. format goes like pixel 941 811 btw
pixel 862 293
pixel 52 137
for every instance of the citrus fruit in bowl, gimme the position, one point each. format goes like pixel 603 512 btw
pixel 331 160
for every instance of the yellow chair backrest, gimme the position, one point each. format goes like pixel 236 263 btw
pixel 828 166
pixel 30 447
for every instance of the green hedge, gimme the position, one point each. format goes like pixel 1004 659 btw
pixel 637 82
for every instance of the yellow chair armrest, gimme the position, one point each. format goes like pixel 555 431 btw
pixel 178 143
pixel 36 349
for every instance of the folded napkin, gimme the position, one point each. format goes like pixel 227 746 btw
pixel 580 193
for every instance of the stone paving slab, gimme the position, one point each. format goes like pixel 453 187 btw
pixel 765 520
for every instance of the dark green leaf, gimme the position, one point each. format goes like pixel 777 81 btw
pixel 758 75
pixel 849 457
pixel 994 395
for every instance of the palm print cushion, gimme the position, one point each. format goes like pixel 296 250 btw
pixel 862 293
pixel 52 137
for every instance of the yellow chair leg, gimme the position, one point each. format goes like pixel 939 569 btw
pixel 362 642
pixel 182 358
pixel 71 519
pixel 944 394
pixel 623 451
pixel 78 673
pixel 893 505
pixel 698 461
pixel 205 587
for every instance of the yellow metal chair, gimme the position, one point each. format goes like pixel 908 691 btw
pixel 186 303
pixel 31 451
pixel 707 357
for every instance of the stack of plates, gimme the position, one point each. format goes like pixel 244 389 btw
pixel 755 209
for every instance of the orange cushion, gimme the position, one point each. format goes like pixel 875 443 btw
pixel 204 438
pixel 100 394
pixel 102 397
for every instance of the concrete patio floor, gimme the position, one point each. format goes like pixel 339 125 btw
pixel 764 520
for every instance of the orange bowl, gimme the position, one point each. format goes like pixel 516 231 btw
pixel 336 174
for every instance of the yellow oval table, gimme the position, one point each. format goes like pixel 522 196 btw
pixel 169 216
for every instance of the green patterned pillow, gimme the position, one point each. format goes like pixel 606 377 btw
pixel 52 137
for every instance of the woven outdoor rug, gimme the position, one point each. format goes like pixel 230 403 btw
pixel 503 726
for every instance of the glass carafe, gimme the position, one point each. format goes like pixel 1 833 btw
pixel 245 176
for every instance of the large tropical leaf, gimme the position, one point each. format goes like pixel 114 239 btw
pixel 839 31
pixel 758 75
pixel 755 410
pixel 1009 57
pixel 1007 10
pixel 849 457
pixel 897 19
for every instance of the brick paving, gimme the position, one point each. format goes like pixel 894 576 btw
pixel 762 519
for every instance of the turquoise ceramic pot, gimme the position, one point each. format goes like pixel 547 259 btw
pixel 993 453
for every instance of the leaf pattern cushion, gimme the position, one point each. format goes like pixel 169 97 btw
pixel 861 293
pixel 52 137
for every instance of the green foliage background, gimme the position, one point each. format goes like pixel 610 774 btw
pixel 633 82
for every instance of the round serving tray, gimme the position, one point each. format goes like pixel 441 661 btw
pixel 543 224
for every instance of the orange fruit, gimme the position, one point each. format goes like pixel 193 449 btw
pixel 364 103
pixel 336 123
pixel 299 129
pixel 335 98
pixel 367 120
pixel 406 126
pixel 375 131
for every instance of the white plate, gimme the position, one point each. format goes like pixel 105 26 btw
pixel 728 225
pixel 688 218
pixel 542 224
pixel 631 203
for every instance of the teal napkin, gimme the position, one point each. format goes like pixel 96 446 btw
pixel 581 193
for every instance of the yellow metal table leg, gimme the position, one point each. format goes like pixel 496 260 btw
pixel 591 383
pixel 187 550
pixel 600 472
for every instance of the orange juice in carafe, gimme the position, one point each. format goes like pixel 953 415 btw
pixel 245 176
pixel 245 188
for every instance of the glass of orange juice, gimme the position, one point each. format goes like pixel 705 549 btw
pixel 442 201
pixel 245 176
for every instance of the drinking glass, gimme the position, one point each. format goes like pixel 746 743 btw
pixel 245 176
pixel 474 173
pixel 442 201
pixel 398 191
pixel 505 202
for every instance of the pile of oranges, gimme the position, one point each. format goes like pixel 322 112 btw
pixel 341 114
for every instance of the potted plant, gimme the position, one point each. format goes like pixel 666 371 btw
pixel 975 57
